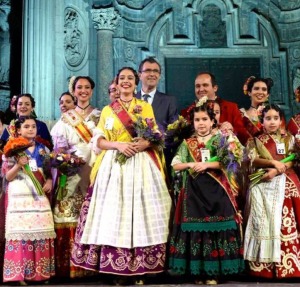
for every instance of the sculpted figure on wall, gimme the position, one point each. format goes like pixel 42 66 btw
pixel 212 28
pixel 74 44
pixel 4 44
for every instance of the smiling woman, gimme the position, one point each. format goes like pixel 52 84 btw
pixel 258 90
pixel 137 191
pixel 72 134
pixel 25 104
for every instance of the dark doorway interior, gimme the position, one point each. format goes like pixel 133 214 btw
pixel 230 73
pixel 15 26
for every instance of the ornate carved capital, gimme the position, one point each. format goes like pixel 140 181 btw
pixel 105 19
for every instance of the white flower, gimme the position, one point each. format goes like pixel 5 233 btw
pixel 71 82
pixel 202 101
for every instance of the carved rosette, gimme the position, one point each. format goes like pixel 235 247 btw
pixel 75 44
pixel 105 19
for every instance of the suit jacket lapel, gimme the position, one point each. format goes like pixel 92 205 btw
pixel 156 101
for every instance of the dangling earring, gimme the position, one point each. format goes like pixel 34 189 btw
pixel 135 90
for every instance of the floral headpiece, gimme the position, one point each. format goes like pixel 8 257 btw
pixel 71 82
pixel 201 101
pixel 245 86
pixel 12 129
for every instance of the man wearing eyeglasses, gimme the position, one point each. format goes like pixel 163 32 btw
pixel 164 106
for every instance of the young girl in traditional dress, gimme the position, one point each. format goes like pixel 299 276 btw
pixel 29 230
pixel 271 244
pixel 206 239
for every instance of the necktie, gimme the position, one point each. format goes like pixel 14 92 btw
pixel 145 97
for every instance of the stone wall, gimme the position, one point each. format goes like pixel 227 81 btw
pixel 84 37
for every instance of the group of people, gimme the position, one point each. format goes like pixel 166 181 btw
pixel 203 203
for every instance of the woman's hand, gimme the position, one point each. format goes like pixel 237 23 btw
pixel 47 186
pixel 128 149
pixel 141 144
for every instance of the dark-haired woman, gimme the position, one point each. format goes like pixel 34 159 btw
pixel 258 90
pixel 25 104
pixel 123 225
pixel 73 133
pixel 293 125
pixel 206 240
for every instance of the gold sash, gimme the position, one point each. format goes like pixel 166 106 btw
pixel 77 122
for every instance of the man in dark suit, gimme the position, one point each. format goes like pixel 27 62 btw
pixel 164 106
pixel 205 85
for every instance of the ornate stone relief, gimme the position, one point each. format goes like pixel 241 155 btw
pixel 136 4
pixel 75 44
pixel 4 44
pixel 105 19
pixel 288 5
pixel 212 28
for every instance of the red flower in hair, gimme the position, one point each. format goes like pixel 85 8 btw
pixel 245 87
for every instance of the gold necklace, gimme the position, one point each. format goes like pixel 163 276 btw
pixel 126 103
pixel 83 109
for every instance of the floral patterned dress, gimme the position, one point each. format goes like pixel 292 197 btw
pixel 29 229
pixel 123 225
pixel 272 246
pixel 66 210
pixel 206 236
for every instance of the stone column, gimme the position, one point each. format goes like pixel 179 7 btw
pixel 105 22
pixel 38 63
pixel 5 47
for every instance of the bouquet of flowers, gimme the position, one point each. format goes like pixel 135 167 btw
pixel 177 132
pixel 144 128
pixel 256 177
pixel 15 147
pixel 230 154
pixel 67 165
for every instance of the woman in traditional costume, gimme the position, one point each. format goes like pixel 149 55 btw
pixel 72 134
pixel 272 245
pixel 293 125
pixel 29 229
pixel 206 237
pixel 258 89
pixel 123 225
